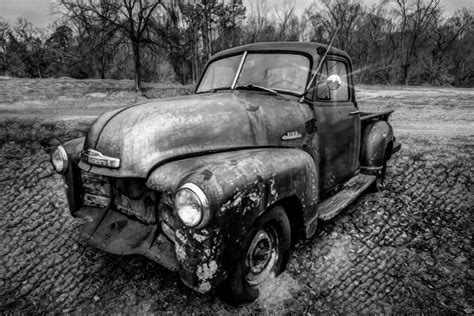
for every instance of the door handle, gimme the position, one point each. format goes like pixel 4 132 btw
pixel 355 112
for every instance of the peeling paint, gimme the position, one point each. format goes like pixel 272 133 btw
pixel 200 238
pixel 237 201
pixel 273 191
pixel 207 270
pixel 205 287
pixel 205 274
pixel 179 234
pixel 180 252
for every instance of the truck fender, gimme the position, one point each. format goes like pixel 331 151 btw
pixel 376 137
pixel 72 177
pixel 240 186
pixel 74 147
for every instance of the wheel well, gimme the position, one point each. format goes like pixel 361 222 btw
pixel 294 212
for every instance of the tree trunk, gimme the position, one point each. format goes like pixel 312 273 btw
pixel 102 67
pixel 136 57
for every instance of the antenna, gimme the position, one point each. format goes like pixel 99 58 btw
pixel 319 65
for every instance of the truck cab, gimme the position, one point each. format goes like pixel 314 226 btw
pixel 218 185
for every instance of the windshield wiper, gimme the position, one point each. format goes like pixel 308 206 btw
pixel 256 87
pixel 213 90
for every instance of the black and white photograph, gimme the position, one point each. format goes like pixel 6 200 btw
pixel 237 157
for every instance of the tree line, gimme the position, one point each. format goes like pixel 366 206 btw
pixel 393 42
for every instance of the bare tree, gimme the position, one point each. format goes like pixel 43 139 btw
pixel 131 17
pixel 257 21
pixel 285 16
pixel 4 28
pixel 344 15
pixel 416 16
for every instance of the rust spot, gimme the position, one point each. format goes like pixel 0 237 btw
pixel 207 174
pixel 205 273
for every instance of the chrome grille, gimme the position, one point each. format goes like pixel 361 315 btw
pixel 97 191
pixel 129 196
pixel 133 198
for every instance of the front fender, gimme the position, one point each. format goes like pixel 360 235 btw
pixel 73 148
pixel 72 177
pixel 240 185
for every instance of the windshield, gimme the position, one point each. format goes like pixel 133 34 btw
pixel 277 71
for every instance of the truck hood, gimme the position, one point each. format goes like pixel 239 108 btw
pixel 145 135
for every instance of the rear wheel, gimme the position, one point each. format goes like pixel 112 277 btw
pixel 378 184
pixel 265 254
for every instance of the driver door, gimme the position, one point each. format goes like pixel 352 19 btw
pixel 338 124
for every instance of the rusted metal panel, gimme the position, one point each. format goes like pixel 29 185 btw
pixel 376 136
pixel 145 135
pixel 339 131
pixel 240 186
pixel 380 115
pixel 117 233
pixel 339 137
pixel 221 175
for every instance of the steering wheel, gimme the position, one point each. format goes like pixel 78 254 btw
pixel 284 83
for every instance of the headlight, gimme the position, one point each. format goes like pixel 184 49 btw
pixel 59 159
pixel 192 205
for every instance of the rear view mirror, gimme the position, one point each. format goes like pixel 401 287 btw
pixel 334 82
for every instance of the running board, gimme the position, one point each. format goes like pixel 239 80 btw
pixel 330 207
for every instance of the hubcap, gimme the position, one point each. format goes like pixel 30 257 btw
pixel 261 256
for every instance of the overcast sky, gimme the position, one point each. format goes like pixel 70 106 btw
pixel 38 11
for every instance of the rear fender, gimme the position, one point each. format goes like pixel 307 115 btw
pixel 240 186
pixel 376 138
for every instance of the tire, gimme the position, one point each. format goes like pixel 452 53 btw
pixel 378 184
pixel 266 252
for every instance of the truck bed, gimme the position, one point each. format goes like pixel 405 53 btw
pixel 367 116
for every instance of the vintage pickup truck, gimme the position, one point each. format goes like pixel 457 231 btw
pixel 217 185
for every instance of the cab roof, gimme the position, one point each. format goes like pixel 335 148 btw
pixel 300 47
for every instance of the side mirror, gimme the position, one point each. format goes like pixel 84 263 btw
pixel 334 82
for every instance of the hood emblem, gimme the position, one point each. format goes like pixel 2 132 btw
pixel 96 158
pixel 291 135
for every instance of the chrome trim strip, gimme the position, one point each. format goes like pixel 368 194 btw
pixel 237 74
pixel 199 193
pixel 372 168
pixel 96 158
pixel 206 213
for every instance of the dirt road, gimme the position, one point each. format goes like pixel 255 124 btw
pixel 407 248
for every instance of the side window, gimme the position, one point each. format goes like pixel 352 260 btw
pixel 323 92
pixel 329 68
pixel 220 73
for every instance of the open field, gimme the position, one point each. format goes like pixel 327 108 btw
pixel 407 248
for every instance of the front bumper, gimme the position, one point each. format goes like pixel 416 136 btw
pixel 116 233
pixel 115 225
pixel 194 254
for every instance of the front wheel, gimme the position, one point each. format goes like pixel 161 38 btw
pixel 265 254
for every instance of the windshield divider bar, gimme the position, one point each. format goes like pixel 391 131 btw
pixel 241 65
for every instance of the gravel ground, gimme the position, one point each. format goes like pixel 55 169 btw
pixel 407 248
